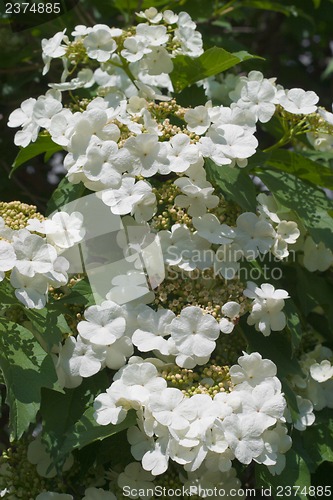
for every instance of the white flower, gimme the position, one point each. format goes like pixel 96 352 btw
pixel 158 61
pixel 151 14
pixel 243 436
pixel 170 17
pixel 99 43
pixel 118 352
pixel 197 197
pixel 7 257
pixel 230 142
pixel 79 358
pixel 208 226
pixel 138 480
pixel 33 254
pixel 268 207
pixel 189 39
pixel 259 97
pixel 60 125
pixel 265 404
pixel 316 256
pixel 168 410
pixel 306 416
pixel 53 48
pixel 32 292
pixel 107 409
pixel 145 155
pixel 267 307
pixel 181 153
pixel 298 101
pixel 197 119
pixel 194 334
pixel 105 323
pixel 287 232
pixel 38 456
pixel 321 371
pixel 277 443
pixel 231 310
pixel 153 35
pixel 46 107
pixel 93 493
pixel 130 286
pixel 253 235
pixel 134 49
pixel 62 229
pixel 156 459
pixel 153 326
pixel 23 116
pixel 252 369
pixel 100 165
pixel 130 198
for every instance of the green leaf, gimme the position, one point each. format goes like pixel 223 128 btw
pixel 293 324
pixel 60 411
pixel 296 473
pixel 64 193
pixel 7 295
pixel 80 293
pixel 43 144
pixel 295 164
pixel 68 421
pixel 26 368
pixel 275 347
pixel 314 291
pixel 87 430
pixel 318 439
pixel 188 70
pixel 273 6
pixel 48 326
pixel 235 184
pixel 310 203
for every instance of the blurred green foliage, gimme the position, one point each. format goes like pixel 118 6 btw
pixel 293 38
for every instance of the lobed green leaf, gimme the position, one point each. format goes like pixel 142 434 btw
pixel 235 184
pixel 43 144
pixel 309 202
pixel 188 70
pixel 27 368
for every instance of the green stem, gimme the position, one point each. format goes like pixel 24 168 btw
pixel 284 140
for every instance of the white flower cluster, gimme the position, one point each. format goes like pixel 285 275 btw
pixel 123 144
pixel 34 261
pixel 200 431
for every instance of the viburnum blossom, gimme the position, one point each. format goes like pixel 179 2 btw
pixel 153 327
pixel 254 235
pixel 299 101
pixel 267 307
pixel 62 229
pixel 7 257
pixel 194 334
